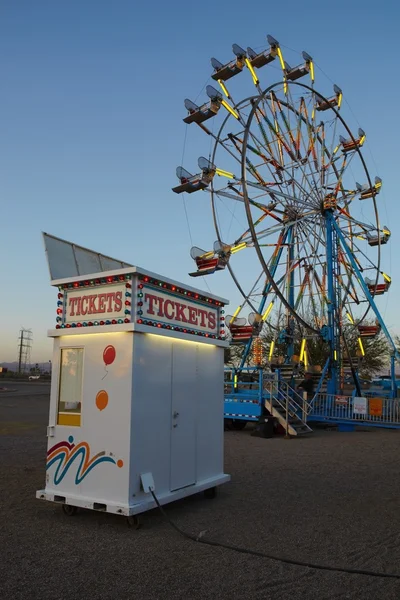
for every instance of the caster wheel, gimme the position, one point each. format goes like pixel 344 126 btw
pixel 69 510
pixel 133 521
pixel 210 493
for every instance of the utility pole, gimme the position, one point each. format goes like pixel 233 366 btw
pixel 24 349
pixel 21 346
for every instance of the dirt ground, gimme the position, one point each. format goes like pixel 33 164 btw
pixel 330 498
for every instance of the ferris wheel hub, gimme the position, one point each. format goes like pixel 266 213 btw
pixel 292 213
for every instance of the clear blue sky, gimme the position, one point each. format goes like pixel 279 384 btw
pixel 91 127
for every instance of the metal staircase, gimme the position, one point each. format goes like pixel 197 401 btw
pixel 288 407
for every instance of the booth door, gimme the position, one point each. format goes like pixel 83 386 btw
pixel 183 416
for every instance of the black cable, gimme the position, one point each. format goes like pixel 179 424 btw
pixel 288 561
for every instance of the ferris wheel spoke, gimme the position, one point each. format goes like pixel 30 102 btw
pixel 284 226
pixel 338 173
pixel 309 147
pixel 311 189
pixel 359 251
pixel 277 193
pixel 346 216
pixel 317 255
pixel 267 143
pixel 295 163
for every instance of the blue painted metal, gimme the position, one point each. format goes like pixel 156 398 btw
pixel 366 290
pixel 323 374
pixel 242 403
pixel 336 421
pixel 290 241
pixel 346 426
pixel 267 288
pixel 333 380
pixel 395 353
pixel 393 376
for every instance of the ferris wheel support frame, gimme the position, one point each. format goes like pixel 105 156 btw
pixel 332 308
pixel 331 229
pixel 290 350
pixel 395 354
pixel 266 290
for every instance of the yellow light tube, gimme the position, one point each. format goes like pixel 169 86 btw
pixel 361 346
pixel 279 53
pixel 303 345
pixel 339 102
pixel 223 88
pixel 265 315
pixel 238 247
pixel 235 314
pixel 362 140
pixel 223 173
pixel 387 278
pixel 229 109
pixel 168 339
pixel 208 255
pixel 305 359
pixel 252 71
pixel 312 70
pixel 378 185
pixel 335 355
pixel 350 318
pixel 271 350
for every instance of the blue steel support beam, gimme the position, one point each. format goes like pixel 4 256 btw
pixel 393 376
pixel 395 353
pixel 274 266
pixel 321 379
pixel 290 242
pixel 332 383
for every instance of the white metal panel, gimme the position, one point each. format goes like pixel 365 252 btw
pixel 92 460
pixel 183 430
pixel 210 426
pixel 151 413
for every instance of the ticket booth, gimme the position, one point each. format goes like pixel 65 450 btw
pixel 137 386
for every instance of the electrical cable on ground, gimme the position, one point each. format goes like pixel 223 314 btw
pixel 199 538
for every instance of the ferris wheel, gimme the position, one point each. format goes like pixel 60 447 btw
pixel 289 186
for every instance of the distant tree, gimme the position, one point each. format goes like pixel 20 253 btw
pixel 233 355
pixel 375 359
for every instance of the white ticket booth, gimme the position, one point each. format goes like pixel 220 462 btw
pixel 137 386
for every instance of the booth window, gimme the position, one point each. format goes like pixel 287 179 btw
pixel 70 390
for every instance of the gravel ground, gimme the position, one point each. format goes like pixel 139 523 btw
pixel 330 498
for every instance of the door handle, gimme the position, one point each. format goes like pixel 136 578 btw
pixel 175 415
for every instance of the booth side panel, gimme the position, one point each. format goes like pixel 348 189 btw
pixel 151 413
pixel 210 412
pixel 177 418
pixel 89 436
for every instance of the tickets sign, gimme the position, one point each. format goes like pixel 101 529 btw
pixel 180 312
pixel 95 303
